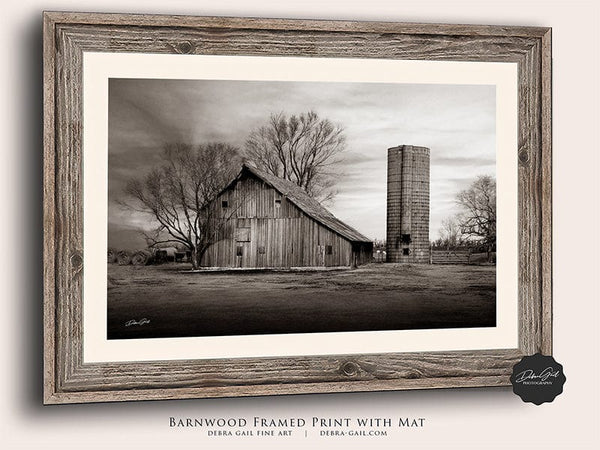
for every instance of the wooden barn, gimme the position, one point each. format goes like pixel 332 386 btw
pixel 263 221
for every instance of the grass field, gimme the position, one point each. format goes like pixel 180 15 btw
pixel 372 297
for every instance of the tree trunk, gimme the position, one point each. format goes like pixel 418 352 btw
pixel 194 259
pixel 199 254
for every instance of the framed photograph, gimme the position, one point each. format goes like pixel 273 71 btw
pixel 242 207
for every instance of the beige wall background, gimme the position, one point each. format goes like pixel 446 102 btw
pixel 459 418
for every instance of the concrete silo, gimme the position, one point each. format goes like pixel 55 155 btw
pixel 408 204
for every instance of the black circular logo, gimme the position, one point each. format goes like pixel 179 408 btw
pixel 538 379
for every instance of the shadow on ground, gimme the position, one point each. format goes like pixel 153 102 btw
pixel 372 297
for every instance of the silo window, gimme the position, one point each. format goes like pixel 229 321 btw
pixel 406 251
pixel 224 204
pixel 405 238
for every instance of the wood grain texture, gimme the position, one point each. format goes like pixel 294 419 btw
pixel 546 193
pixel 49 190
pixel 67 35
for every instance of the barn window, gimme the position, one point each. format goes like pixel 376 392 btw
pixel 405 238
pixel 277 203
pixel 261 250
pixel 329 249
pixel 406 251
pixel 224 204
pixel 239 251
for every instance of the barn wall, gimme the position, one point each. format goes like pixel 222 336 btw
pixel 270 234
pixel 362 252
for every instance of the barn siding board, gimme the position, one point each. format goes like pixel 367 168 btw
pixel 289 236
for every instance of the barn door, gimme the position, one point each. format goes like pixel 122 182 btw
pixel 242 254
pixel 242 247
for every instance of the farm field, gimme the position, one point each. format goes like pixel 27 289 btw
pixel 373 297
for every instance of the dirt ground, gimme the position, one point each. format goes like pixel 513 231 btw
pixel 164 301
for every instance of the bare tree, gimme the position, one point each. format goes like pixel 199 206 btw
pixel 478 219
pixel 303 149
pixel 177 192
pixel 450 233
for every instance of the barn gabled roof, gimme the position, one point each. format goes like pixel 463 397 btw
pixel 307 204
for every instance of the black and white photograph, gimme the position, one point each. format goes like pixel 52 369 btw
pixel 274 207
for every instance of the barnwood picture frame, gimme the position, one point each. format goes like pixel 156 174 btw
pixel 69 379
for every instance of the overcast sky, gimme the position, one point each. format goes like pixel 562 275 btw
pixel 457 122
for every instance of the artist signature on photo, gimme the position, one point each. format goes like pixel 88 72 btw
pixel 131 322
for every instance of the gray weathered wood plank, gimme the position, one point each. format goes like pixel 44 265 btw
pixel 69 379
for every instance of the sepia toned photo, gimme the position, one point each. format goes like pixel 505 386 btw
pixel 277 207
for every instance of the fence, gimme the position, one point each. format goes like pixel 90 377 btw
pixel 379 256
pixel 450 256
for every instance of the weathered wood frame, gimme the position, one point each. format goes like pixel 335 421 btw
pixel 67 35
